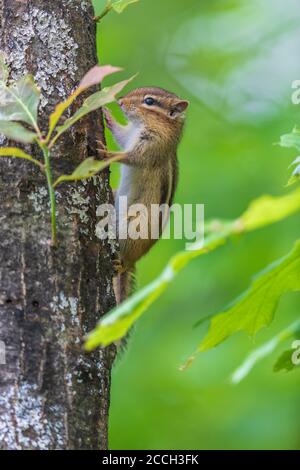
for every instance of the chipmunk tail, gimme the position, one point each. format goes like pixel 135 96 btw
pixel 124 285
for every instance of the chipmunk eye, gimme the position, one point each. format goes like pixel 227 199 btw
pixel 149 101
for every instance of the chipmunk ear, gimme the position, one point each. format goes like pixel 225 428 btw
pixel 179 108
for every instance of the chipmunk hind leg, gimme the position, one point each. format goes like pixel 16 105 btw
pixel 124 284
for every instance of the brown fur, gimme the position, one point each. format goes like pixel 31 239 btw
pixel 150 157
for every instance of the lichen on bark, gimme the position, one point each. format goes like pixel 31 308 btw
pixel 52 395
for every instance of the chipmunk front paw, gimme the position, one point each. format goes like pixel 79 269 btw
pixel 108 118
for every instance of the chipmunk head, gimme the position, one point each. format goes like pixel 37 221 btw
pixel 154 107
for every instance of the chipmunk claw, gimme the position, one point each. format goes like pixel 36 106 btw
pixel 108 118
pixel 102 150
pixel 101 144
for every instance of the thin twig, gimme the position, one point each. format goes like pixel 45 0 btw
pixel 106 10
pixel 51 193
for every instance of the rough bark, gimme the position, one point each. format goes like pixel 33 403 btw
pixel 52 395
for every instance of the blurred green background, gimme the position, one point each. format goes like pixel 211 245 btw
pixel 235 61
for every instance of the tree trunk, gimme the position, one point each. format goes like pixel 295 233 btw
pixel 52 394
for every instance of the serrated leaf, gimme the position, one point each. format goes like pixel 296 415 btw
pixel 19 102
pixel 88 168
pixel 256 307
pixel 120 5
pixel 15 131
pixel 18 153
pixel 3 68
pixel 93 102
pixel 291 140
pixel 116 323
pixel 93 77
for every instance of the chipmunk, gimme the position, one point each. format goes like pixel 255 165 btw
pixel 149 167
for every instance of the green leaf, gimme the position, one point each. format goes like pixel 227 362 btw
pixel 3 68
pixel 93 102
pixel 19 102
pixel 116 323
pixel 89 167
pixel 256 307
pixel 120 5
pixel 93 77
pixel 269 209
pixel 15 131
pixel 291 140
pixel 285 363
pixel 263 351
pixel 18 153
